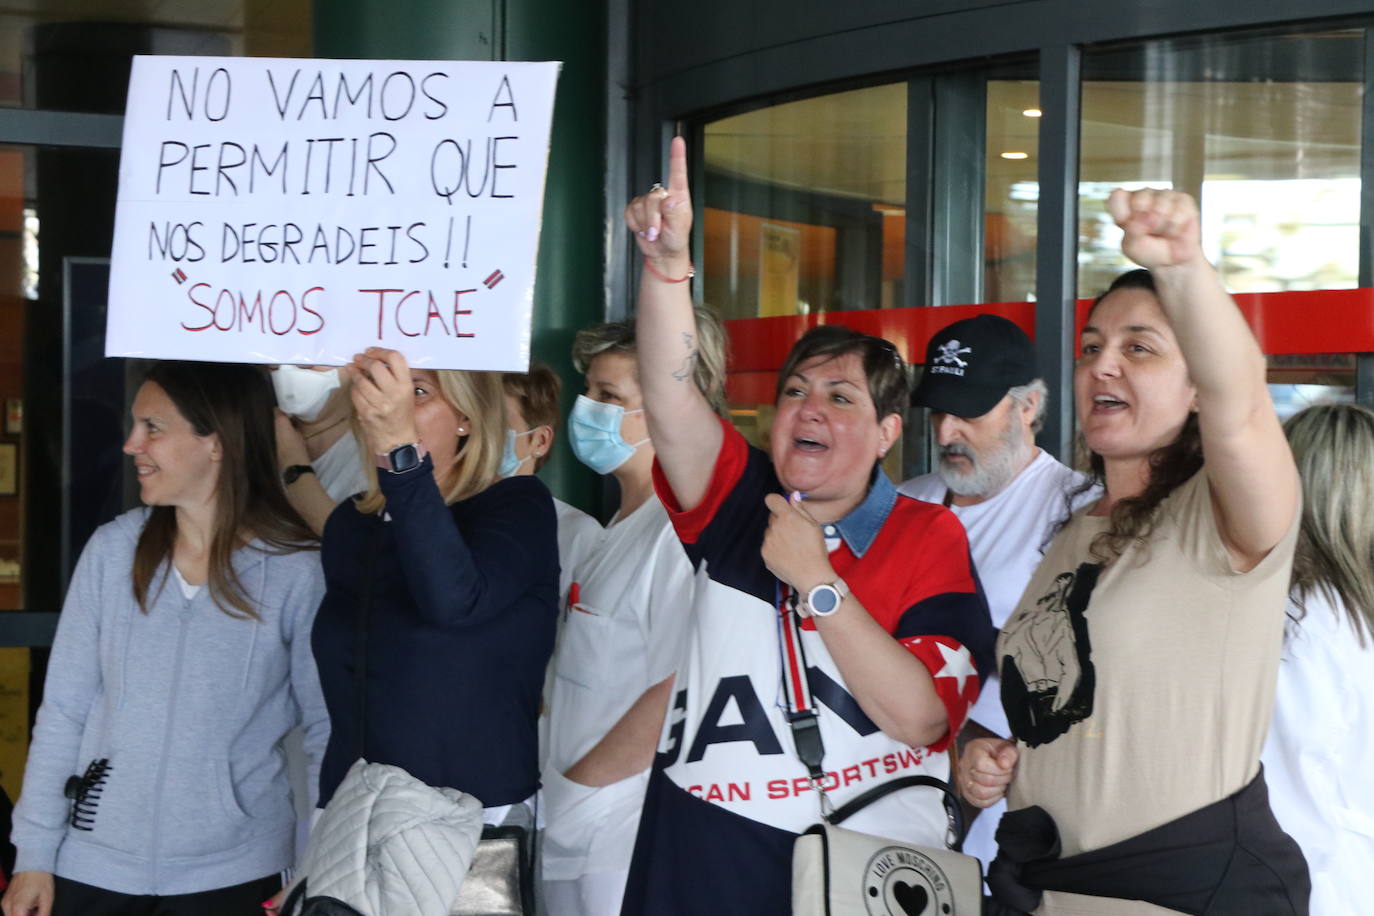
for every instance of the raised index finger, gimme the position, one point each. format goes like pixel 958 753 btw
pixel 677 166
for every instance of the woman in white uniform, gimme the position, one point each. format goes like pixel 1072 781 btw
pixel 622 634
pixel 1320 751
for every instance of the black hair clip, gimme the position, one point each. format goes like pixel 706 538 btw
pixel 85 792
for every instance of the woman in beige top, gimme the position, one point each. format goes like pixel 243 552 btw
pixel 1138 670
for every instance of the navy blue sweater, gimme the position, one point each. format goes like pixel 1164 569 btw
pixel 465 600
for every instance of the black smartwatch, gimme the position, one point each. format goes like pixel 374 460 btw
pixel 293 473
pixel 402 458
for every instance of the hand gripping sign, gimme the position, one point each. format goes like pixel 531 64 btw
pixel 297 211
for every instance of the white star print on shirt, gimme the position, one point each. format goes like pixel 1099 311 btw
pixel 958 664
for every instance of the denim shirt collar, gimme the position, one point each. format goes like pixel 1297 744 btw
pixel 861 526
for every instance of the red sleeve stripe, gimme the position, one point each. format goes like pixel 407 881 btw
pixel 730 463
pixel 956 678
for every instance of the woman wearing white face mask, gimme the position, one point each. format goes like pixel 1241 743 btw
pixel 317 453
pixel 622 635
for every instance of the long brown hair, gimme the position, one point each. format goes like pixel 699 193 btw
pixel 1333 445
pixel 1133 520
pixel 234 403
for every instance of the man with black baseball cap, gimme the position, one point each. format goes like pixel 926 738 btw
pixel 971 364
pixel 986 401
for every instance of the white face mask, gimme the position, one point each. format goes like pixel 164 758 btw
pixel 302 393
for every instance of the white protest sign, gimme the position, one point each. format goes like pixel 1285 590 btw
pixel 299 211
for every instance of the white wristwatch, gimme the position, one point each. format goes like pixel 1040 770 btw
pixel 826 598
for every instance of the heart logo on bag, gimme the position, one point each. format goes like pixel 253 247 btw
pixel 912 899
pixel 901 881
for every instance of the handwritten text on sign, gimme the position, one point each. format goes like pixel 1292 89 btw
pixel 297 211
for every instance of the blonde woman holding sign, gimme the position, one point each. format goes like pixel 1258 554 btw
pixel 438 622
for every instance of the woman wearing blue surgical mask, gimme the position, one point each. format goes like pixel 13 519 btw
pixel 608 431
pixel 532 416
pixel 317 452
pixel 622 635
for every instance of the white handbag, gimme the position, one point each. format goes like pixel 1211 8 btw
pixel 838 872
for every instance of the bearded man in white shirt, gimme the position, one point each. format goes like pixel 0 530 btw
pixel 986 404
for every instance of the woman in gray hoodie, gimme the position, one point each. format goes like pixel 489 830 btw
pixel 156 781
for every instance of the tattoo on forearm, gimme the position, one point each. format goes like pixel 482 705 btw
pixel 689 363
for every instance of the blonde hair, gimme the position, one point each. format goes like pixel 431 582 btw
pixel 708 362
pixel 480 397
pixel 1333 445
pixel 709 370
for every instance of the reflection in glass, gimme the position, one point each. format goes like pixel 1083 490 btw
pixel 75 55
pixel 1286 234
pixel 29 284
pixel 805 205
pixel 13 294
pixel 1303 379
pixel 1289 399
pixel 15 472
pixel 1012 190
pixel 1263 130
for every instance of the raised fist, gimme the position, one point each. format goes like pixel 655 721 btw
pixel 1161 227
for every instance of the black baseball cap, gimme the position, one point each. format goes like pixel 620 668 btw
pixel 971 364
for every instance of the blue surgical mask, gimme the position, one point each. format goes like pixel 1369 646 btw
pixel 510 463
pixel 594 434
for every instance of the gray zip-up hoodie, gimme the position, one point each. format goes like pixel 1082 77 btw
pixel 189 706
